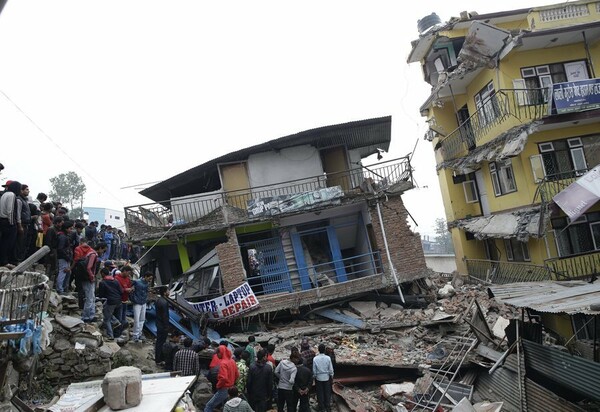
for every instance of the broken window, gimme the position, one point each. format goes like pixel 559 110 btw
pixel 516 251
pixel 503 178
pixel 487 105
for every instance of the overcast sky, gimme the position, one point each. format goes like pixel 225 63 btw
pixel 128 92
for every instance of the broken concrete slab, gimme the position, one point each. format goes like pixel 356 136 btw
pixel 367 310
pixel 391 389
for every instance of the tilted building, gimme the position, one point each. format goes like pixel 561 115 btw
pixel 299 218
pixel 514 119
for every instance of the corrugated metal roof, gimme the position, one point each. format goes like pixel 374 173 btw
pixel 579 375
pixel 502 386
pixel 369 134
pixel 570 297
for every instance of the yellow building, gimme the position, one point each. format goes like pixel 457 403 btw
pixel 514 118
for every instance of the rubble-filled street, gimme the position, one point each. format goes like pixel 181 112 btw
pixel 384 353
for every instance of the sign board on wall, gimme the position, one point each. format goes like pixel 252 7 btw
pixel 235 303
pixel 274 205
pixel 576 96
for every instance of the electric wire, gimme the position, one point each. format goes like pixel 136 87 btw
pixel 51 140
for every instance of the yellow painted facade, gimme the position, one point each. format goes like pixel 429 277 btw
pixel 508 91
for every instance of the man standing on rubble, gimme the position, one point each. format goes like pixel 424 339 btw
pixel 139 298
pixel 323 372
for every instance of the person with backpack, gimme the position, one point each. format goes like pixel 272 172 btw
pixel 79 268
pixel 88 284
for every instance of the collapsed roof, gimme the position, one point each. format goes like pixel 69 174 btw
pixel 366 135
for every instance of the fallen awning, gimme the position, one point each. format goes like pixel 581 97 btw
pixel 508 144
pixel 520 224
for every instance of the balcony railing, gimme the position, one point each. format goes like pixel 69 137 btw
pixel 581 266
pixel 237 206
pixel 22 299
pixel 551 185
pixel 320 275
pixel 522 104
pixel 497 272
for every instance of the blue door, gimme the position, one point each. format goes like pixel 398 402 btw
pixel 274 274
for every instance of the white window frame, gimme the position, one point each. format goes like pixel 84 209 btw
pixel 502 178
pixel 542 70
pixel 539 166
pixel 596 245
pixel 473 191
pixel 495 179
pixel 546 147
pixel 485 105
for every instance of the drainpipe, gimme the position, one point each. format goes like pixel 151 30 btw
pixel 387 251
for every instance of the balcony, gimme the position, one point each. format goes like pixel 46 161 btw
pixel 498 273
pixel 580 266
pixel 317 276
pixel 551 185
pixel 215 210
pixel 522 104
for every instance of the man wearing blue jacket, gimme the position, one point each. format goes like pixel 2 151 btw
pixel 139 298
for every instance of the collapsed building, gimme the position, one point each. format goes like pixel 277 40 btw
pixel 295 221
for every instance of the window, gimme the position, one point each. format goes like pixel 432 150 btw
pixel 487 105
pixel 539 79
pixel 581 236
pixel 516 251
pixel 470 189
pixel 503 178
pixel 117 217
pixel 562 159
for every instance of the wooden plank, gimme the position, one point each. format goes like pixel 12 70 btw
pixel 11 335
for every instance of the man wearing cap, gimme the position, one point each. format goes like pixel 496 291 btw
pixel 10 220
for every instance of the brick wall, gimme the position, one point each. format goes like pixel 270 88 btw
pixel 404 245
pixel 232 267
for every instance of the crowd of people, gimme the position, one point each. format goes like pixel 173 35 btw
pixel 24 225
pixel 249 378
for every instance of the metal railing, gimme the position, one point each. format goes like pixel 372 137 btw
pixel 22 298
pixel 320 275
pixel 580 266
pixel 553 184
pixel 522 104
pixel 498 272
pixel 208 209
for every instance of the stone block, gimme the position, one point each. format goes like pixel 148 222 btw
pixel 122 387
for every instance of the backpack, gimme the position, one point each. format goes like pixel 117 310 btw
pixel 80 268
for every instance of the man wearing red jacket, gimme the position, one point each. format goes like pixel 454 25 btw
pixel 228 374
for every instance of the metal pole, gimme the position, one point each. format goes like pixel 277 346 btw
pixel 519 367
pixel 387 251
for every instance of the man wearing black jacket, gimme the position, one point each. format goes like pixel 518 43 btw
pixel 162 322
pixel 260 383
pixel 302 385
pixel 110 289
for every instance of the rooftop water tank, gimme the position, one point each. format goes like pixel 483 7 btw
pixel 427 22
